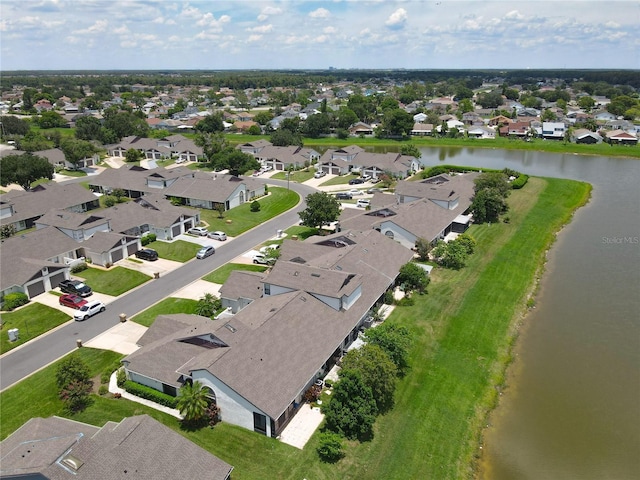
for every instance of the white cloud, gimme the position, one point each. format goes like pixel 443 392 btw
pixel 98 27
pixel 329 30
pixel 261 29
pixel 254 38
pixel 123 30
pixel 266 12
pixel 320 13
pixel 397 19
pixel 190 12
pixel 209 20
pixel 514 15
pixel 159 20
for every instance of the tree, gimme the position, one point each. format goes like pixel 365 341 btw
pixel 352 409
pixel 263 117
pixel 12 125
pixel 586 103
pixel 451 255
pixel 330 447
pixel 413 277
pixel 210 124
pixel 132 155
pixel 393 339
pixel 316 125
pixel 488 204
pixel 88 128
pixel 397 122
pixel 212 144
pixel 192 401
pixel 411 150
pixel 465 106
pixel 377 370
pixel 283 138
pixel 346 117
pixel 73 378
pixel 7 230
pixel 51 119
pixel 496 180
pixel 490 99
pixel 322 208
pixel 423 247
pixel 123 124
pixel 468 242
pixel 236 161
pixel 254 130
pixel 208 305
pixel 76 150
pixel 24 169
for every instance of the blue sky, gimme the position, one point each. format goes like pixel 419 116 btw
pixel 294 34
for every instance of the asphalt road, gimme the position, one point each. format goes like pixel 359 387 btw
pixel 40 352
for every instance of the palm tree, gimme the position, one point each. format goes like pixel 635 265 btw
pixel 192 401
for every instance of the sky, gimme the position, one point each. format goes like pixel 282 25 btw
pixel 302 34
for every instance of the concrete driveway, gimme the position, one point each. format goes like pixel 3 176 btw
pixel 160 266
pixel 53 301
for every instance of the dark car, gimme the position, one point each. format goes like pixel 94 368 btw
pixel 147 254
pixel 71 300
pixel 76 287
pixel 343 196
pixel 356 181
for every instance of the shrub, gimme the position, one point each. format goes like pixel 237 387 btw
pixel 148 238
pixel 328 383
pixel 149 393
pixel 520 182
pixel 110 201
pixel 75 395
pixel 255 206
pixel 330 447
pixel 79 267
pixel 105 377
pixel 468 242
pixel 388 297
pixel 312 394
pixel 212 414
pixel 406 301
pixel 15 300
pixel 121 377
pixel 103 390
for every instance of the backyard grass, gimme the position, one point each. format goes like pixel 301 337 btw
pixel 167 306
pixel 72 173
pixel 296 176
pixel 240 219
pixel 220 275
pixel 463 328
pixel 114 281
pixel 31 320
pixel 178 250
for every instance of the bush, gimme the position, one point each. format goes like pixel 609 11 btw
pixel 15 300
pixel 312 394
pixel 330 447
pixel 520 182
pixel 121 377
pixel 103 390
pixel 149 393
pixel 255 206
pixel 406 301
pixel 388 297
pixel 104 378
pixel 79 267
pixel 110 201
pixel 147 239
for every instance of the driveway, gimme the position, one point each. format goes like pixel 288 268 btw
pixel 53 301
pixel 160 266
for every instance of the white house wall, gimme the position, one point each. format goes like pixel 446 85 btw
pixel 400 235
pixel 276 290
pixel 331 301
pixel 349 300
pixel 234 199
pixel 149 382
pixel 234 409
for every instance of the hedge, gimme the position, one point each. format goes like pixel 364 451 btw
pixel 147 239
pixel 440 169
pixel 520 182
pixel 149 393
pixel 15 300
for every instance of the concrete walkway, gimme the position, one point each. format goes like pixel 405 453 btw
pixel 302 426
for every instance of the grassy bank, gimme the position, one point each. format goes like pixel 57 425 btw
pixel 464 328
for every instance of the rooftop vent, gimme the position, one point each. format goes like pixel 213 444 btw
pixel 74 463
pixel 231 328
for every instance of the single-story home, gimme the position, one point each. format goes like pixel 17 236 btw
pixel 343 160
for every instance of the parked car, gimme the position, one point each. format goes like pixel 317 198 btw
pixel 205 251
pixel 198 231
pixel 319 174
pixel 366 178
pixel 76 287
pixel 363 203
pixel 89 310
pixel 355 191
pixel 217 235
pixel 356 181
pixel 343 196
pixel 374 190
pixel 180 160
pixel 257 173
pixel 262 259
pixel 147 254
pixel 71 300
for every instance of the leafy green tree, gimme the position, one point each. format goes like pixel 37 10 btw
pixel 490 99
pixel 377 370
pixel 24 169
pixel 12 125
pixel 393 339
pixel 413 277
pixel 316 125
pixel 263 117
pixel 33 142
pixel 330 447
pixel 88 128
pixel 76 395
pixel 397 122
pixel 208 305
pixel 423 247
pixel 123 123
pixel 467 241
pixel 210 124
pixel 352 410
pixel 51 119
pixel 72 369
pixel 411 150
pixel 283 138
pixel 322 208
pixel 488 204
pixel 346 117
pixel 236 161
pixel 497 180
pixel 76 150
pixel 254 130
pixel 451 255
pixel 132 155
pixel 465 106
pixel 192 401
pixel 586 103
pixel 212 144
pixel 255 206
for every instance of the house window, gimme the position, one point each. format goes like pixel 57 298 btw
pixel 389 234
pixel 259 423
pixel 267 289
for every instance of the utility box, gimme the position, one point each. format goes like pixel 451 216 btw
pixel 278 233
pixel 14 334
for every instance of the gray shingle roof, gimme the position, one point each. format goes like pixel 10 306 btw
pixel 242 284
pixel 136 447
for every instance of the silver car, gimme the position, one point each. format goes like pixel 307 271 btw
pixel 205 251
pixel 217 235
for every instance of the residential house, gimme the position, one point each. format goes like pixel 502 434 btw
pixel 516 130
pixel 621 137
pixel 604 116
pixel 58 448
pixel 353 158
pixel 481 131
pixel 78 226
pixel 421 129
pixel 172 146
pixel 499 120
pixel 419 117
pixel 240 289
pixel 582 135
pixel 21 209
pixel 360 128
pixel 255 147
pixel 258 365
pixel 283 158
pixel 553 130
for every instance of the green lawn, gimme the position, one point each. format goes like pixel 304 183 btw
pixel 296 176
pixel 114 281
pixel 178 250
pixel 31 320
pixel 463 328
pixel 73 173
pixel 221 274
pixel 165 307
pixel 240 219
pixel 339 180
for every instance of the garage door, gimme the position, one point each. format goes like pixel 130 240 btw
pixel 335 170
pixel 35 289
pixel 56 279
pixel 116 255
pixel 175 230
pixel 132 248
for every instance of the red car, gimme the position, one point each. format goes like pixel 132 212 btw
pixel 73 301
